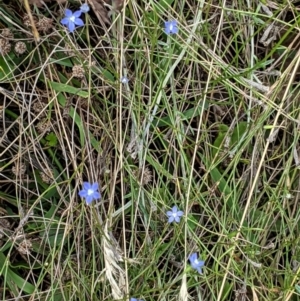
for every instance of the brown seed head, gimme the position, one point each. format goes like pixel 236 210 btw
pixel 44 24
pixel 69 50
pixel 144 176
pixel 46 178
pixel 78 71
pixel 19 169
pixel 5 47
pixel 26 20
pixel 7 33
pixel 25 247
pixel 43 126
pixel 20 47
pixel 38 107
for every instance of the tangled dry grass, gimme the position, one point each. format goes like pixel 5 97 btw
pixel 209 121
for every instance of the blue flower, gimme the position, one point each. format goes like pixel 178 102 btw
pixel 196 263
pixel 124 80
pixel 90 192
pixel 174 215
pixel 171 27
pixel 85 8
pixel 72 19
pixel 134 299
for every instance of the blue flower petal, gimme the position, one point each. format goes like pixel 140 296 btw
pixel 171 219
pixel 124 80
pixel 196 263
pixel 174 209
pixel 171 27
pixel 85 8
pixel 82 193
pixel 68 13
pixel 86 185
pixel 199 270
pixel 71 26
pixel 193 257
pixel 89 199
pixel 65 21
pixel 175 214
pixel 96 195
pixel 72 19
pixel 77 14
pixel 95 186
pixel 177 219
pixel 79 22
pixel 90 191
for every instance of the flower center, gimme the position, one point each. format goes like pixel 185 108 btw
pixel 90 191
pixel 174 214
pixel 171 27
pixel 72 19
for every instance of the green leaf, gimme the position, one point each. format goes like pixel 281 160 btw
pixel 162 249
pixel 192 222
pixel 59 87
pixel 63 62
pixel 54 237
pixel 4 68
pixel 8 66
pixel 218 178
pixel 217 146
pixel 158 167
pixel 186 115
pixel 52 139
pixel 13 279
pixel 22 264
pixel 227 291
pixel 238 132
pixel 235 137
pixel 107 75
pixel 6 246
pixel 160 7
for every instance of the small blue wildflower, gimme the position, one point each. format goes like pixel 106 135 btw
pixel 72 19
pixel 174 215
pixel 134 299
pixel 196 263
pixel 85 8
pixel 171 27
pixel 124 80
pixel 90 192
